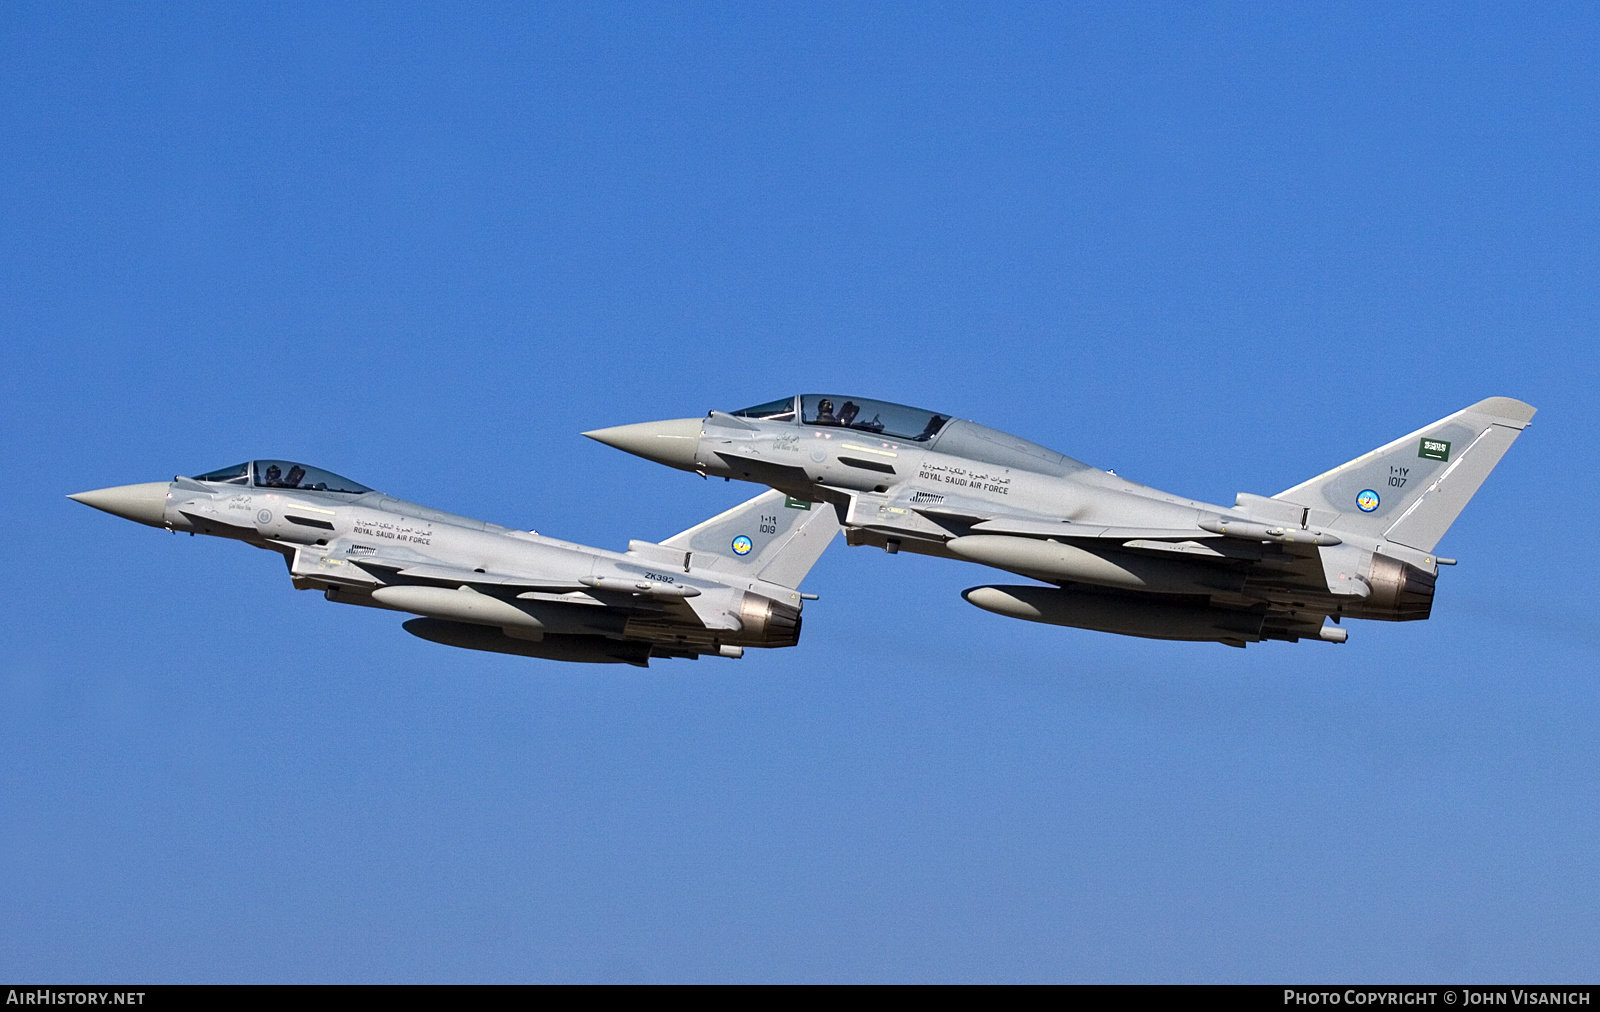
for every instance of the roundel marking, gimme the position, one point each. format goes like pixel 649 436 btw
pixel 742 545
pixel 264 517
pixel 1367 500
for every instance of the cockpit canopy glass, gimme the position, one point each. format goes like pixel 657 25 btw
pixel 772 411
pixel 238 474
pixel 283 474
pixel 288 474
pixel 879 417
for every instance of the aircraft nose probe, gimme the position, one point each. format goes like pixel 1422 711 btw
pixel 145 503
pixel 672 442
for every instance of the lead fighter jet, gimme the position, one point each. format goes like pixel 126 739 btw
pixel 1356 542
pixel 726 584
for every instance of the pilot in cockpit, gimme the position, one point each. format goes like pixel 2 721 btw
pixel 825 413
pixel 273 476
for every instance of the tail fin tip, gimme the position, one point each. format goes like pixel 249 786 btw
pixel 1506 409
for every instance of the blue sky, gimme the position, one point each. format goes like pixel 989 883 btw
pixel 1219 248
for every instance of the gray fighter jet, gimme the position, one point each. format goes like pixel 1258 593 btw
pixel 724 585
pixel 1356 542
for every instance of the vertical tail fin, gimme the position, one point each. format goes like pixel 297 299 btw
pixel 772 537
pixel 1411 490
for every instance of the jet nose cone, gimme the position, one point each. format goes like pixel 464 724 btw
pixel 672 442
pixel 145 504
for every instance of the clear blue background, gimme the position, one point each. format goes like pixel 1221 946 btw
pixel 1218 248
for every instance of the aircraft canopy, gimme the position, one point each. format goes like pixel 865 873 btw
pixel 860 413
pixel 283 474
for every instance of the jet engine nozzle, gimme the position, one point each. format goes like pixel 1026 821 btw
pixel 769 623
pixel 1400 592
pixel 144 503
pixel 672 442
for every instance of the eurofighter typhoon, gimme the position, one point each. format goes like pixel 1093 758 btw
pixel 1355 542
pixel 717 588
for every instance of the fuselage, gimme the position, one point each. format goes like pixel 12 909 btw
pixel 906 479
pixel 363 547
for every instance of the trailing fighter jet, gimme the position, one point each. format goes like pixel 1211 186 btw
pixel 1355 542
pixel 729 583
